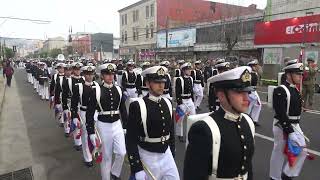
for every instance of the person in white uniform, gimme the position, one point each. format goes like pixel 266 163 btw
pixel 141 84
pixel 129 79
pixel 255 102
pixel 109 101
pixel 287 104
pixel 168 85
pixel 198 84
pixel 184 97
pixel 150 132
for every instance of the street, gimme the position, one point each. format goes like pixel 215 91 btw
pixel 53 156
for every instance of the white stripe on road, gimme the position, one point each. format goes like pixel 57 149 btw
pixel 271 139
pixel 263 92
pixel 307 110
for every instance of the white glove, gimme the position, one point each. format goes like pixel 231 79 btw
pixel 125 131
pixel 126 93
pixel 140 96
pixel 293 137
pixel 141 175
pixel 93 139
pixel 59 107
pixel 306 68
pixel 75 121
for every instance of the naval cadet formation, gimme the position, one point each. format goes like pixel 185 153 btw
pixel 118 112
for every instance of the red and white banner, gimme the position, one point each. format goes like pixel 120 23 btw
pixel 286 31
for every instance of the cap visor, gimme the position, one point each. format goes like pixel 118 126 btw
pixel 246 89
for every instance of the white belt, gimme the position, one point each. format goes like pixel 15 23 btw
pixel 294 117
pixel 197 81
pixel 109 112
pixel 185 95
pixel 155 140
pixel 83 107
pixel 240 177
pixel 131 83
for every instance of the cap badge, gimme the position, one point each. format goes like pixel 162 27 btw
pixel 246 76
pixel 110 67
pixel 161 72
pixel 89 68
pixel 301 67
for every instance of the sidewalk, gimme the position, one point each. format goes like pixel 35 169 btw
pixel 15 149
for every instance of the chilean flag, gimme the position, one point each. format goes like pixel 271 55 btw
pixel 97 155
pixel 292 151
pixel 179 114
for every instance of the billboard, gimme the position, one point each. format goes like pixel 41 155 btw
pixel 272 55
pixel 177 38
pixel 287 31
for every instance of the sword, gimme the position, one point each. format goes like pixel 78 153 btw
pixel 148 171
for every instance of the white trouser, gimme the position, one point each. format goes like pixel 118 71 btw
pixel 144 93
pixel 59 115
pixel 66 123
pixel 254 106
pixel 161 165
pixel 278 161
pixel 198 94
pixel 132 92
pixel 45 92
pixel 87 156
pixel 34 82
pixel 38 87
pixel 119 80
pixel 112 139
pixel 31 78
pixel 167 96
pixel 187 107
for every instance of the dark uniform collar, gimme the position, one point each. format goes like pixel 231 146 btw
pixel 88 83
pixel 228 115
pixel 290 85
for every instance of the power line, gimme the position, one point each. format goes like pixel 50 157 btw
pixel 27 19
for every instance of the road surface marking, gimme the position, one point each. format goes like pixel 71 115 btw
pixel 263 92
pixel 271 139
pixel 307 111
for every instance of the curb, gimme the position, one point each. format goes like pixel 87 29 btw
pixel 2 95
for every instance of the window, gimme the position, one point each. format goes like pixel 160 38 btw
pixel 122 37
pixel 137 34
pixel 151 31
pixel 134 16
pixel 134 35
pixel 147 32
pixel 125 36
pixel 152 10
pixel 137 15
pixel 122 20
pixel 125 19
pixel 147 11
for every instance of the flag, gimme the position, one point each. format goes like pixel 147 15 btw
pixel 95 150
pixel 292 151
pixel 179 114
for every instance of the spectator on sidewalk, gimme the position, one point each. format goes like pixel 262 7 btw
pixel 308 82
pixel 8 70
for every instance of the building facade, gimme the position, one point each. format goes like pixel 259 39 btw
pixel 53 43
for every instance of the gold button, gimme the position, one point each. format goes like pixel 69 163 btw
pixel 245 147
pixel 162 117
pixel 137 161
pixel 242 167
pixel 111 99
pixel 131 157
pixel 159 105
pixel 239 126
pixel 163 131
pixel 245 158
pixel 111 115
pixel 163 124
pixel 162 142
pixel 242 136
pixel 110 94
pixel 161 111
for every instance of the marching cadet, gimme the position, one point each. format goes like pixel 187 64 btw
pixel 287 104
pixel 109 101
pixel 178 70
pixel 66 96
pixel 68 85
pixel 32 72
pixel 255 103
pixel 150 132
pixel 198 84
pixel 119 72
pixel 43 82
pixel 213 101
pixel 38 78
pixel 221 145
pixel 129 78
pixel 168 85
pixel 80 96
pixel 55 95
pixel 141 84
pixel 208 70
pixel 184 97
pixel 28 70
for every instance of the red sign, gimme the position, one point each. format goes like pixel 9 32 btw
pixel 286 31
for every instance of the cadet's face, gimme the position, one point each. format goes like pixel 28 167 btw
pixel 108 78
pixel 76 72
pixel 237 99
pixel 130 67
pixel 296 78
pixel 88 77
pixel 187 72
pixel 67 72
pixel 156 88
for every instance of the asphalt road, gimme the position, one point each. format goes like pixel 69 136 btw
pixel 54 154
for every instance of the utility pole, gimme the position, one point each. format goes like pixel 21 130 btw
pixel 100 51
pixel 167 38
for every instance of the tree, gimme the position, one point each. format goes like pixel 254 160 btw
pixel 8 52
pixel 232 34
pixel 43 54
pixel 55 52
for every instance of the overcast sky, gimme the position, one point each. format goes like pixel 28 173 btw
pixel 82 15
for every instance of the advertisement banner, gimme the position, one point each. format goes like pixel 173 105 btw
pixel 272 55
pixel 286 31
pixel 177 38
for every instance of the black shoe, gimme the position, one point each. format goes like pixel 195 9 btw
pixel 78 148
pixel 181 139
pixel 88 164
pixel 198 109
pixel 256 123
pixel 66 135
pixel 61 125
pixel 285 177
pixel 113 177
